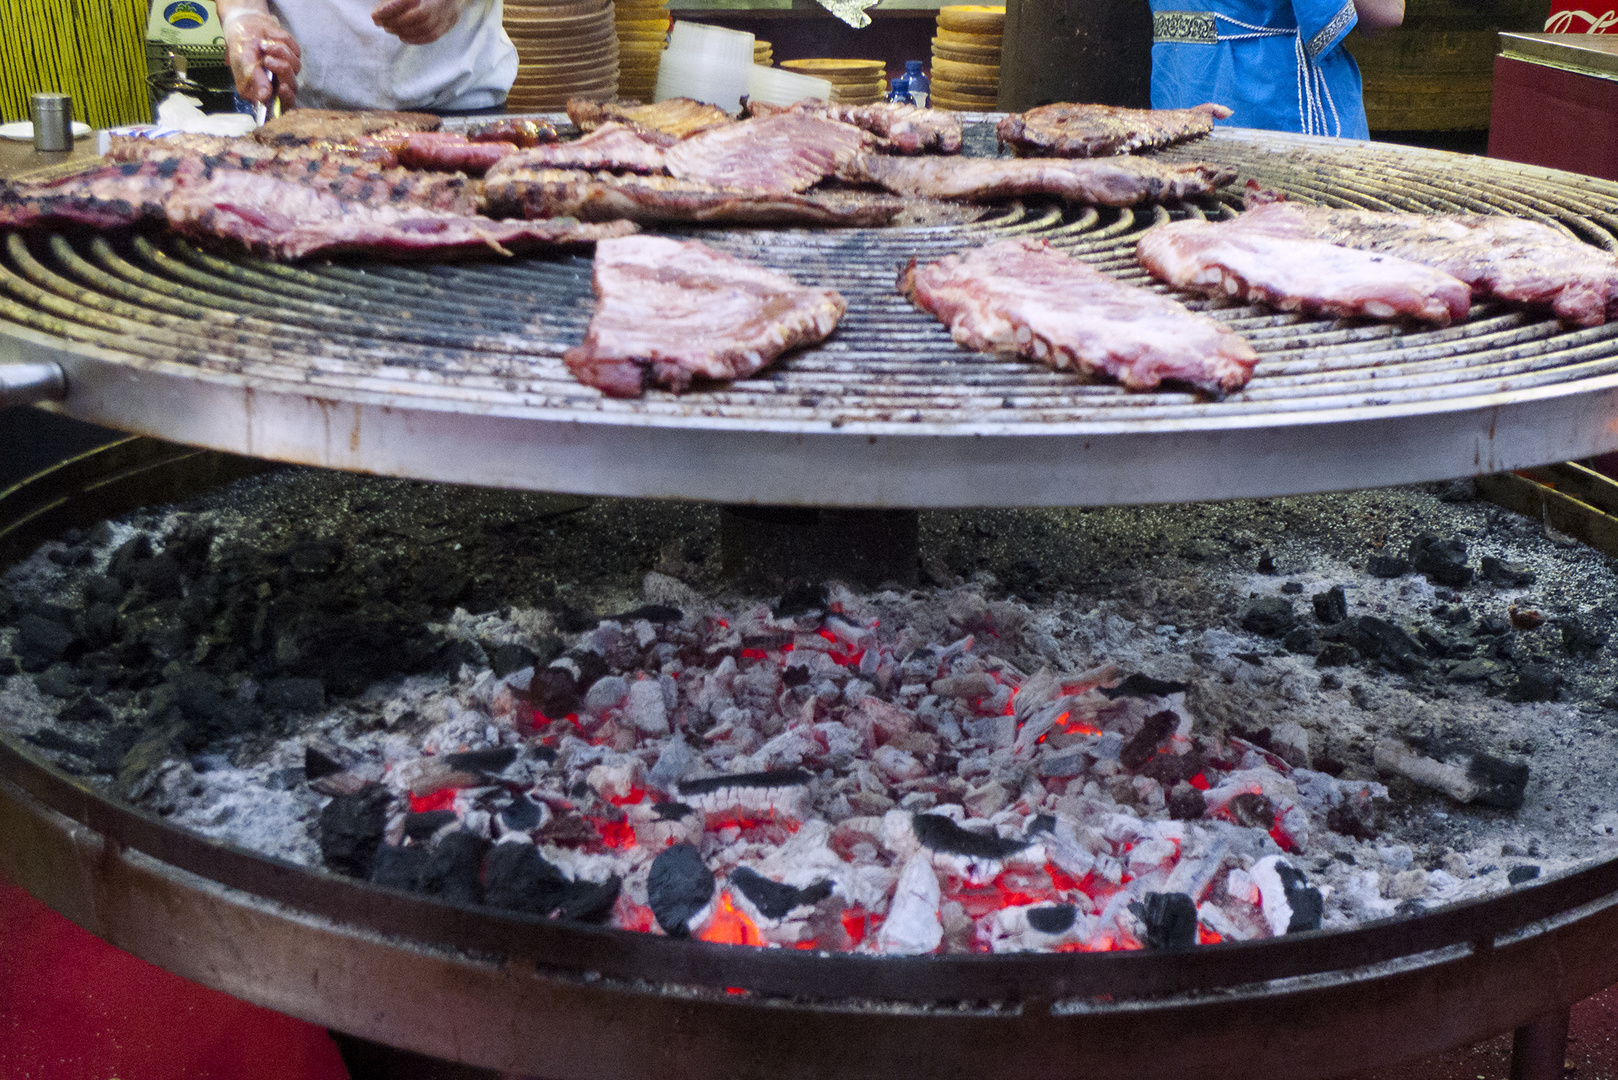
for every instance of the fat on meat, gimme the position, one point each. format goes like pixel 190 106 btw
pixel 1024 297
pixel 669 311
pixel 649 200
pixel 1120 181
pixel 786 153
pixel 1299 274
pixel 288 221
pixel 904 129
pixel 1511 259
pixel 1068 130
pixel 612 147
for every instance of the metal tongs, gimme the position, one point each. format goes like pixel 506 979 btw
pixel 269 110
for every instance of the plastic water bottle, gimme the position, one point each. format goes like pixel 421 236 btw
pixel 899 91
pixel 917 83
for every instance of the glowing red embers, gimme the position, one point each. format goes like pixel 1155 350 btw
pixel 730 926
pixel 442 799
pixel 1200 782
pixel 615 834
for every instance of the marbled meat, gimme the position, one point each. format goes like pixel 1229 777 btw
pixel 105 197
pixel 785 153
pixel 448 151
pixel 1299 274
pixel 675 118
pixel 612 147
pixel 1068 130
pixel 903 129
pixel 1522 262
pixel 669 311
pixel 1024 297
pixel 663 200
pixel 285 220
pixel 1121 181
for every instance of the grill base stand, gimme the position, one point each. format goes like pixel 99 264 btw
pixel 772 545
pixel 1539 1047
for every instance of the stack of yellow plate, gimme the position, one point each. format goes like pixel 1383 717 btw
pixel 966 57
pixel 853 82
pixel 643 28
pixel 565 49
pixel 763 54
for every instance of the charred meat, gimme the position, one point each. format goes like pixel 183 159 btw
pixel 104 198
pixel 1068 130
pixel 1300 274
pixel 525 134
pixel 668 311
pixel 613 147
pixel 781 154
pixel 1023 297
pixel 445 151
pixel 676 118
pixel 1125 181
pixel 904 129
pixel 302 126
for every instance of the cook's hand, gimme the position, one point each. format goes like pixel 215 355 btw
pixel 257 45
pixel 418 22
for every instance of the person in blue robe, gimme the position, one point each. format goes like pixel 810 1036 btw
pixel 1277 64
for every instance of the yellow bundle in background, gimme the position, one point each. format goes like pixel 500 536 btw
pixel 92 50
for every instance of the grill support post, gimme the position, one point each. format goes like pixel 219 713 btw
pixel 1539 1047
pixel 776 544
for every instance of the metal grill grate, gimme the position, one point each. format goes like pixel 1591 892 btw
pixel 889 411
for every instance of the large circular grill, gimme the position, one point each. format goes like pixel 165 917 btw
pixel 454 372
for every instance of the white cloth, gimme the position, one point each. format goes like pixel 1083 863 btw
pixel 351 63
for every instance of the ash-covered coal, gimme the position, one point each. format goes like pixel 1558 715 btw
pixel 1094 729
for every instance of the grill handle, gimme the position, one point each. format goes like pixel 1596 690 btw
pixel 26 383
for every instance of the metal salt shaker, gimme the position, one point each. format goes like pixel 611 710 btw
pixel 53 121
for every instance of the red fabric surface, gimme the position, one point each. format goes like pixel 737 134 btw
pixel 1558 119
pixel 73 1007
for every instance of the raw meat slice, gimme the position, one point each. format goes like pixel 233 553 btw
pixel 447 151
pixel 544 193
pixel 676 118
pixel 1296 274
pixel 285 220
pixel 1524 262
pixel 612 146
pixel 1024 297
pixel 907 129
pixel 1123 181
pixel 785 153
pixel 1068 130
pixel 669 311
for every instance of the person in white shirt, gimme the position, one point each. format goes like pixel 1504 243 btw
pixel 430 55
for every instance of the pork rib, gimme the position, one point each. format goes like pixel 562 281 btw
pixel 668 311
pixel 1299 274
pixel 905 129
pixel 284 220
pixel 674 118
pixel 1522 262
pixel 1024 297
pixel 612 146
pixel 1068 130
pixel 544 193
pixel 1124 181
pixel 785 153
pixel 105 197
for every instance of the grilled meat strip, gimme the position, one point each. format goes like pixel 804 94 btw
pixel 285 220
pixel 1523 262
pixel 339 174
pixel 304 126
pixel 544 193
pixel 105 197
pixel 675 119
pixel 1296 274
pixel 668 311
pixel 523 134
pixel 446 151
pixel 1024 297
pixel 906 129
pixel 1124 181
pixel 785 153
pixel 613 146
pixel 1067 130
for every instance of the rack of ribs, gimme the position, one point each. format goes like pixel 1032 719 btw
pixel 1121 181
pixel 1068 130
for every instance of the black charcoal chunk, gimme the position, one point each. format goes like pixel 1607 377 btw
pixel 1300 640
pixel 1171 920
pixel 1270 616
pixel 158 576
pixel 421 826
pixel 1252 810
pixel 1493 626
pixel 454 868
pixel 1579 639
pixel 1380 640
pixel 491 760
pixel 940 833
pixel 1186 803
pixel 84 710
pixel 1331 606
pixel 516 877
pixel 802 599
pixel 398 867
pixel 293 694
pixel 318 763
pixel 773 899
pixel 59 680
pixel 1442 561
pixel 1143 686
pixel 771 779
pixel 351 828
pixel 589 901
pixel 554 692
pixel 652 613
pixel 1055 919
pixel 101 589
pixel 132 551
pixel 1506 575
pixel 1039 823
pixel 1139 749
pixel 1266 562
pixel 54 741
pixel 1535 682
pixel 1308 905
pixel 679 886
pixel 1387 566
pixel 1292 588
pixel 41 642
pixel 1336 654
pixel 1519 874
pixel 505 659
pixel 523 815
pixel 1500 782
pixel 672 811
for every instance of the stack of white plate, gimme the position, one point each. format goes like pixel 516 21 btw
pixel 565 49
pixel 853 82
pixel 643 30
pixel 705 63
pixel 966 57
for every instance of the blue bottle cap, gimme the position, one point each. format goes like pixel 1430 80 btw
pixel 912 67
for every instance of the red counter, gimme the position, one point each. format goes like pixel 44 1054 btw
pixel 1551 115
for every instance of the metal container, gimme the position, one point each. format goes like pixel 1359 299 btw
pixel 53 121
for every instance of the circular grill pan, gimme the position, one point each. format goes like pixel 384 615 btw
pixel 453 372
